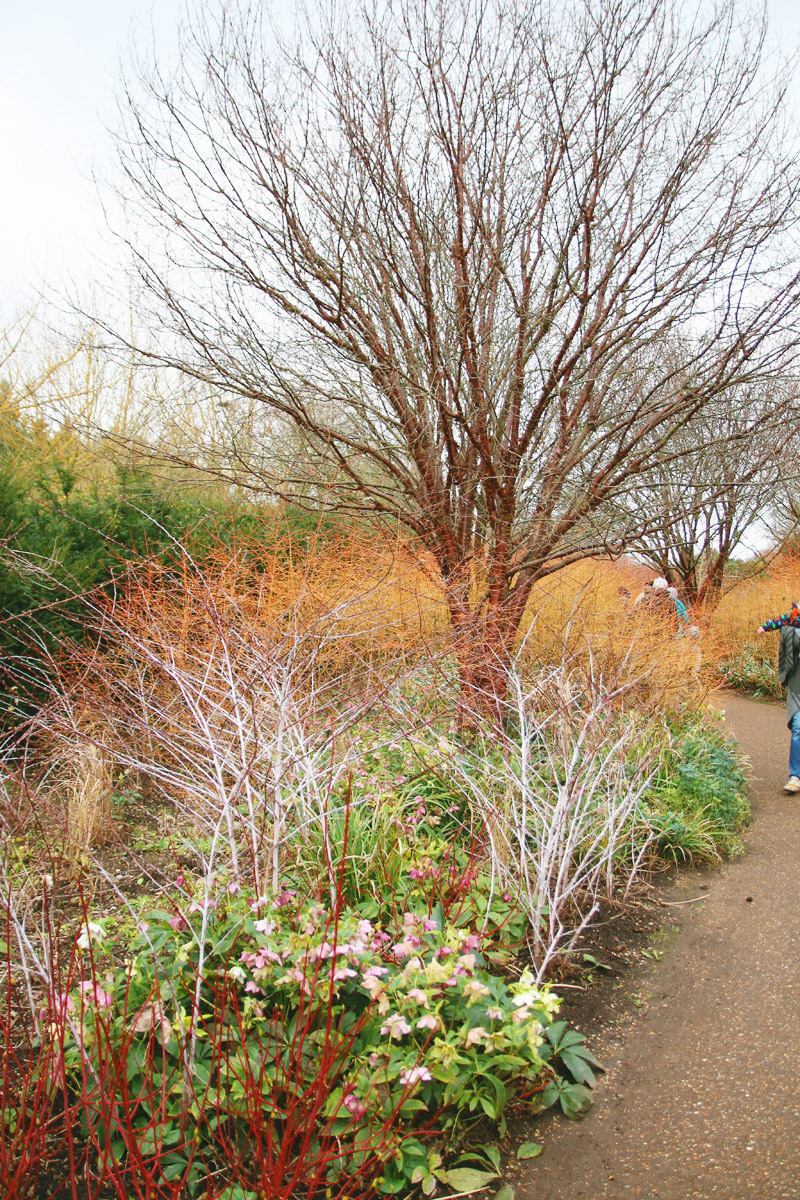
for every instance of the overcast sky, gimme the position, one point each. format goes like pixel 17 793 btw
pixel 59 65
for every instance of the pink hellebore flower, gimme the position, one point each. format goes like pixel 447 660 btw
pixel 344 973
pixel 396 1026
pixel 326 950
pixel 259 959
pixel 263 956
pixel 285 897
pixel 253 987
pixel 376 970
pixel 266 925
pixel 353 1105
pixel 355 949
pixel 94 992
pixel 415 1075
pixel 465 964
pixel 295 975
pixel 177 922
pixel 428 1021
pixel 404 949
pixel 429 926
pixel 372 984
pixel 418 997
pixel 476 1036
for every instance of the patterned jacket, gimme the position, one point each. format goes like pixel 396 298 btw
pixel 790 618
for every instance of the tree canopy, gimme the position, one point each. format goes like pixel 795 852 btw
pixel 446 245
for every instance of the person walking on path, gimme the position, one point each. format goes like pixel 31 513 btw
pixel 789 674
pixel 661 601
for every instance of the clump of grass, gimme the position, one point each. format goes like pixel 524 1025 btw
pixel 753 669
pixel 698 801
pixel 88 811
pixel 684 837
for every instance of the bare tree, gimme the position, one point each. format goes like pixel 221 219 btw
pixel 445 243
pixel 779 520
pixel 708 497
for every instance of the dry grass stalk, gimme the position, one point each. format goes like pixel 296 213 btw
pixel 88 809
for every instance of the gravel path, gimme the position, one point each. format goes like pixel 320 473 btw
pixel 701 1098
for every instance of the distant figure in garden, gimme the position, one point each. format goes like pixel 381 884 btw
pixel 662 601
pixel 653 594
pixel 789 673
pixel 679 607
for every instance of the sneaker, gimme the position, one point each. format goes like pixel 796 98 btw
pixel 793 785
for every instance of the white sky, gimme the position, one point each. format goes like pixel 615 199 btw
pixel 58 63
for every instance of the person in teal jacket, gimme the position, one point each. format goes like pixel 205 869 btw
pixel 680 608
pixel 789 674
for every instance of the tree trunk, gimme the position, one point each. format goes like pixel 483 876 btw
pixel 710 592
pixel 484 644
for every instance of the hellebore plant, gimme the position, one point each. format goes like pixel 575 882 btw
pixel 268 1040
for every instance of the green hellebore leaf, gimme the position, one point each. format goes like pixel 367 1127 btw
pixel 530 1150
pixel 465 1179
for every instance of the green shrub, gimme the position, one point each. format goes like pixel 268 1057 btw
pixel 698 801
pixel 684 837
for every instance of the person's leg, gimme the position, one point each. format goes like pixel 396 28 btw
pixel 794 748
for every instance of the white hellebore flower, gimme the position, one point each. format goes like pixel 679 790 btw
pixel 92 932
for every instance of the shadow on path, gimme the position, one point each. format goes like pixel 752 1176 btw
pixel 701 1098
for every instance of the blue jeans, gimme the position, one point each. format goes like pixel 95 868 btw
pixel 794 746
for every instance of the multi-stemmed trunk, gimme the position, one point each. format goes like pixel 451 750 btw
pixel 484 633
